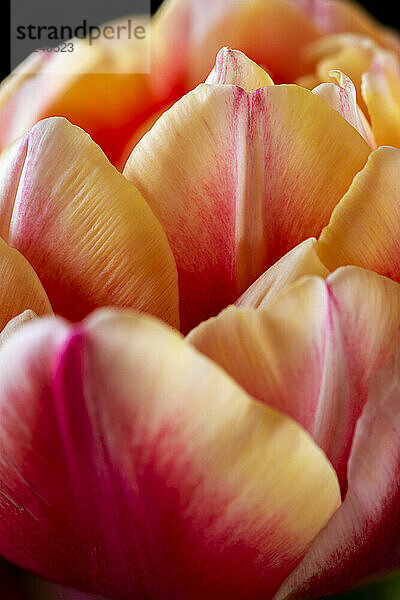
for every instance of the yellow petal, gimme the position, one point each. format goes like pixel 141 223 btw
pixel 346 52
pixel 381 92
pixel 364 229
pixel 87 232
pixel 20 288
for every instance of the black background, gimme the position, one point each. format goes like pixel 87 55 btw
pixel 383 10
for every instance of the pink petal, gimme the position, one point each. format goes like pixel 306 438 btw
pixel 310 351
pixel 132 466
pixel 89 235
pixel 362 538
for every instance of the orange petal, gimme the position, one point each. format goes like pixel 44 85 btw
pixel 20 288
pixel 270 32
pixel 381 92
pixel 86 231
pixel 364 228
pixel 100 89
pixel 247 176
pixel 15 323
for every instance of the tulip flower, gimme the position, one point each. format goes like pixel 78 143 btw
pixel 199 355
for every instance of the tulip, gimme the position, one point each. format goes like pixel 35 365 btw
pixel 257 457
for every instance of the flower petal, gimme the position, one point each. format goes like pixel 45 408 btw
pixel 361 539
pixel 333 16
pixel 100 88
pixel 381 92
pixel 15 323
pixel 364 227
pixel 233 67
pixel 88 234
pixel 342 98
pixel 311 352
pixel 302 260
pixel 188 35
pixel 124 422
pixel 346 52
pixel 20 288
pixel 248 176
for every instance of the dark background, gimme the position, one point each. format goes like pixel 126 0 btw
pixel 383 10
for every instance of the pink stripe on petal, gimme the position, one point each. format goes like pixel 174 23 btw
pixel 237 180
pixel 311 351
pixel 131 466
pixel 361 539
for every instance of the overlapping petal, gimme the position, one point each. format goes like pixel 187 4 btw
pixel 310 353
pixel 208 480
pixel 381 92
pixel 361 539
pixel 302 260
pixel 364 227
pixel 238 179
pixel 335 16
pixel 349 53
pixel 342 98
pixel 87 232
pixel 20 287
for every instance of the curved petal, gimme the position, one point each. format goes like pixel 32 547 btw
pixel 362 537
pixel 381 92
pixel 311 352
pixel 270 32
pixel 364 229
pixel 20 288
pixel 334 16
pixel 99 87
pixel 125 422
pixel 346 52
pixel 342 98
pixel 15 323
pixel 87 232
pixel 302 260
pixel 248 176
pixel 233 67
